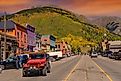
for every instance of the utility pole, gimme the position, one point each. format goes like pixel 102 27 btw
pixel 4 52
pixel 0 48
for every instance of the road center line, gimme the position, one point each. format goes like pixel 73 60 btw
pixel 103 71
pixel 72 71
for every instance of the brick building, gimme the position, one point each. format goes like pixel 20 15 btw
pixel 17 30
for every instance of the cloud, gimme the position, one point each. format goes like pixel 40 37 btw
pixel 13 2
pixel 14 5
pixel 93 7
pixel 85 7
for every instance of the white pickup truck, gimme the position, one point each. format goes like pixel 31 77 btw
pixel 55 55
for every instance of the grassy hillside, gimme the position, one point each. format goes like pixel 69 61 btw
pixel 59 22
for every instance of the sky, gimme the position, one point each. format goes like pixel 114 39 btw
pixel 82 7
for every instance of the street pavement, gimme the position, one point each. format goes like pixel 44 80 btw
pixel 75 68
pixel 86 70
pixel 111 67
pixel 60 69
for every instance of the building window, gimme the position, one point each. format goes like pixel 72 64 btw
pixel 9 30
pixel 58 46
pixel 45 40
pixel 55 46
pixel 18 35
pixel 21 34
pixel 24 38
pixel 38 44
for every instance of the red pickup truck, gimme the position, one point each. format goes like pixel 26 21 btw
pixel 37 64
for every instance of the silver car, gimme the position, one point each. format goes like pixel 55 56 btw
pixel 94 54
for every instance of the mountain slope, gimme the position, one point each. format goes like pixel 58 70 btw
pixel 109 21
pixel 59 22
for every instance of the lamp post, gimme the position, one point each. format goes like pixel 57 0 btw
pixel 106 41
pixel 4 52
pixel 105 37
pixel 105 34
pixel 0 49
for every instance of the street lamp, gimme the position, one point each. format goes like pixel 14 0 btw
pixel 104 37
pixel 0 49
pixel 105 34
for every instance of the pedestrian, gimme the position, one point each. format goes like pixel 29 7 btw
pixel 20 61
pixel 17 62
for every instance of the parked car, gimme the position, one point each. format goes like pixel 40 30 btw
pixel 117 55
pixel 10 62
pixel 99 53
pixel 55 55
pixel 37 64
pixel 93 54
pixel 105 54
pixel 110 54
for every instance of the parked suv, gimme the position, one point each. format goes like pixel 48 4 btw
pixel 37 64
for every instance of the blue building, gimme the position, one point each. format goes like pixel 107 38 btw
pixel 48 42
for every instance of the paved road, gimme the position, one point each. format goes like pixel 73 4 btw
pixel 87 70
pixel 111 67
pixel 76 68
pixel 59 71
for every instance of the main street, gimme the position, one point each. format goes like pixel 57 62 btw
pixel 75 68
pixel 111 67
pixel 60 69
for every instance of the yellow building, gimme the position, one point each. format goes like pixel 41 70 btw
pixel 11 45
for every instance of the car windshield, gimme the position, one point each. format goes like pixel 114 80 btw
pixel 11 58
pixel 37 56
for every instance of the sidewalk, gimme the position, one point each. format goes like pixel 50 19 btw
pixel 87 71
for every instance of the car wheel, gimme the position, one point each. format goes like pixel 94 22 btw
pixel 39 72
pixel 24 74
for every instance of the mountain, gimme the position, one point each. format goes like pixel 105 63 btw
pixel 60 23
pixel 1 14
pixel 112 23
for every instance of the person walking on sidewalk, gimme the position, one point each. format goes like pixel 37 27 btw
pixel 17 62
